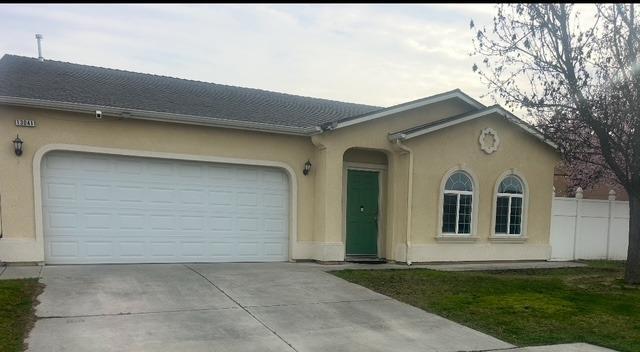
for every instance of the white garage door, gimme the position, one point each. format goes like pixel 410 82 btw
pixel 115 209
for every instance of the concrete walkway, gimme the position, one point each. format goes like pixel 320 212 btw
pixel 470 266
pixel 238 307
pixel 571 347
pixel 35 271
pixel 20 272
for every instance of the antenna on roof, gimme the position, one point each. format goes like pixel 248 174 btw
pixel 38 39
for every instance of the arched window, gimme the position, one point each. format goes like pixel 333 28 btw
pixel 509 206
pixel 457 204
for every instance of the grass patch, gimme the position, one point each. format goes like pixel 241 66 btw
pixel 17 315
pixel 523 307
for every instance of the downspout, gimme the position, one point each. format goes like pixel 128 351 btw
pixel 409 196
pixel 318 252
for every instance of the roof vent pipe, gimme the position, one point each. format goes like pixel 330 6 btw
pixel 38 39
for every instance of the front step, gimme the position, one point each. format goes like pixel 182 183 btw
pixel 365 260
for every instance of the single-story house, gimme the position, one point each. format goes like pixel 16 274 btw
pixel 110 166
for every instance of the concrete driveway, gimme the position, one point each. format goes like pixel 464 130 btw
pixel 231 307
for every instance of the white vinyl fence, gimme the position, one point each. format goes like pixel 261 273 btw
pixel 589 228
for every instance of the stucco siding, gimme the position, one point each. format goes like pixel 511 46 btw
pixel 319 197
pixel 56 127
pixel 458 147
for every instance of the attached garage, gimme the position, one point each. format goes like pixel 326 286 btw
pixel 100 208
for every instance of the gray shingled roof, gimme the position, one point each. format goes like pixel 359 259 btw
pixel 29 78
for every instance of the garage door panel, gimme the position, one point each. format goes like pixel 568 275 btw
pixel 222 248
pixel 60 219
pixel 61 191
pixel 220 172
pixel 62 249
pixel 95 164
pixel 193 249
pixel 59 164
pixel 274 249
pixel 114 209
pixel 126 167
pixel 129 249
pixel 98 221
pixel 99 249
pixel 97 192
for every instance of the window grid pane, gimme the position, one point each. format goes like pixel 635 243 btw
pixel 449 213
pixel 516 216
pixel 502 213
pixel 510 184
pixel 464 214
pixel 459 181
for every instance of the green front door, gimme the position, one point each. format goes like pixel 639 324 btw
pixel 362 213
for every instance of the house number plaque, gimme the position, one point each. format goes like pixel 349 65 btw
pixel 26 123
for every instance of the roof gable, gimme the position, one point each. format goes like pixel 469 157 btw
pixel 456 94
pixel 458 119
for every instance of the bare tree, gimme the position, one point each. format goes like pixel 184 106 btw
pixel 577 72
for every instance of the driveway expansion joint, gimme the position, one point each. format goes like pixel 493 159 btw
pixel 243 308
pixel 323 302
pixel 131 313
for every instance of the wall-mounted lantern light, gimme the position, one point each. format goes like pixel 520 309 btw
pixel 307 167
pixel 17 145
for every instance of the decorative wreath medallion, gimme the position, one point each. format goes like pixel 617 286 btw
pixel 489 140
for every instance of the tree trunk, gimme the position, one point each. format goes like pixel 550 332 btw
pixel 632 269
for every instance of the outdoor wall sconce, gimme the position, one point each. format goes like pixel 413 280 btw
pixel 17 145
pixel 307 167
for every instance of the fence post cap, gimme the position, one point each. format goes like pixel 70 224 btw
pixel 612 195
pixel 579 192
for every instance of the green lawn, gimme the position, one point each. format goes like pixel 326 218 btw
pixel 17 298
pixel 523 307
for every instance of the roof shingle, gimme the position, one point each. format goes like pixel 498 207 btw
pixel 58 81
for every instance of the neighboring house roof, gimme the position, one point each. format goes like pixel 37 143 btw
pixel 35 82
pixel 457 119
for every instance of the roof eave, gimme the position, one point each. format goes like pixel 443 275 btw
pixel 532 130
pixel 157 116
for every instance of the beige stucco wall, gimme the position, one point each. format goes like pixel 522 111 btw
pixel 319 220
pixel 434 155
pixel 56 127
pixel 373 135
pixel 457 147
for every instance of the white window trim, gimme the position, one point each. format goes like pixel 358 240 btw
pixel 458 194
pixel 510 196
pixel 474 205
pixel 505 237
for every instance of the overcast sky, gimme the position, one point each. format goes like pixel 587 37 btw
pixel 372 54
